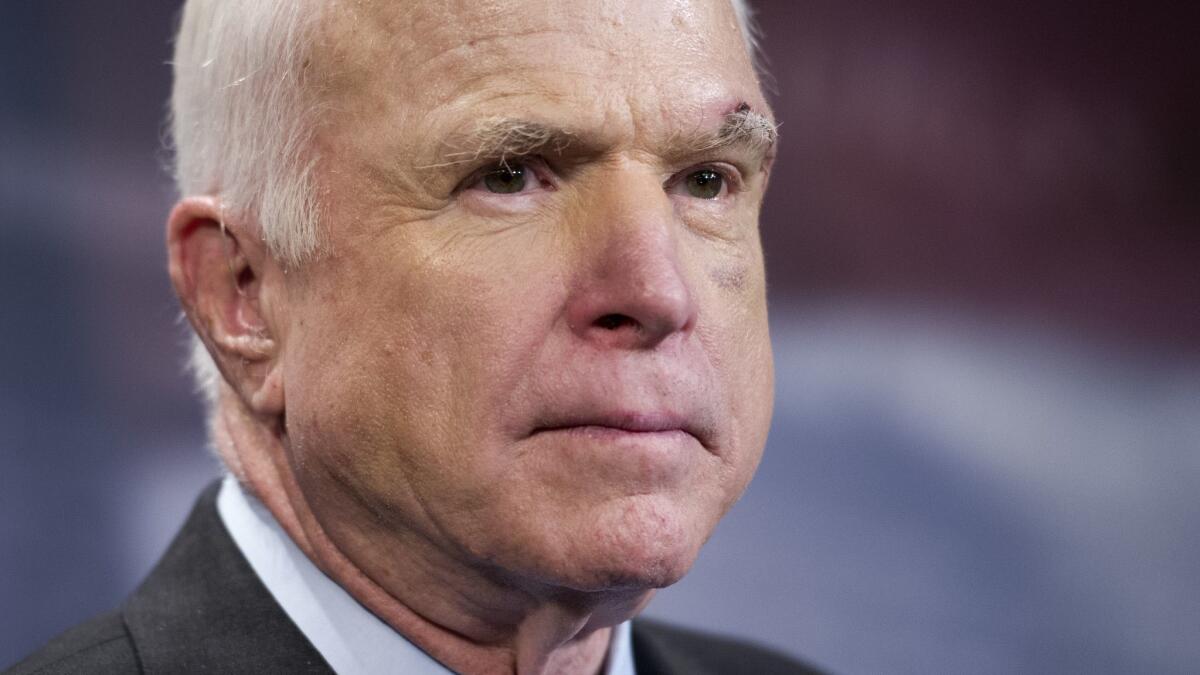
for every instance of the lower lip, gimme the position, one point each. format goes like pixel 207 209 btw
pixel 651 457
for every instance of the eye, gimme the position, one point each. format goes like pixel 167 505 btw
pixel 707 183
pixel 507 178
pixel 704 184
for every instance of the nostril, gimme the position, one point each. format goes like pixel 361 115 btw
pixel 614 321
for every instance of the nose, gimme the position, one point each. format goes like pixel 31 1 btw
pixel 630 290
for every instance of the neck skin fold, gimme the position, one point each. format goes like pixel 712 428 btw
pixel 469 621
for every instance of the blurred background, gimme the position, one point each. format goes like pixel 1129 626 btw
pixel 983 238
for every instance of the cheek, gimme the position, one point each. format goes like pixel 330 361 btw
pixel 366 361
pixel 422 362
pixel 736 338
pixel 731 276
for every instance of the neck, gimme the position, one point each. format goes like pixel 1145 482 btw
pixel 470 618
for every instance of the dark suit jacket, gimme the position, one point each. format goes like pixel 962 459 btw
pixel 203 610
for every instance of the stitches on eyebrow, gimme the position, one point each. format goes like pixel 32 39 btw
pixel 499 138
pixel 744 126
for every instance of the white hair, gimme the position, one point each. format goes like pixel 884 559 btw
pixel 242 121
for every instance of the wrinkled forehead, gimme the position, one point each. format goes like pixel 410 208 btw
pixel 366 41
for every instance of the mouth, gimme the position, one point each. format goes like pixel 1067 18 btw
pixel 623 424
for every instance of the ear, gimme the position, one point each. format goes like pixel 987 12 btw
pixel 230 288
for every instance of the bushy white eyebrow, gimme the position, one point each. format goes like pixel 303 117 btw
pixel 746 127
pixel 501 138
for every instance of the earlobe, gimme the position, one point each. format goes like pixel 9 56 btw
pixel 218 271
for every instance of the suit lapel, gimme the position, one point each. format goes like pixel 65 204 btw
pixel 203 588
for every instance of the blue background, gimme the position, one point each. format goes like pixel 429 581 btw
pixel 983 241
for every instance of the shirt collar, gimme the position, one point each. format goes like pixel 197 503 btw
pixel 349 637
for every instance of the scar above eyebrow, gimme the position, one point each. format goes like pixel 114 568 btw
pixel 498 138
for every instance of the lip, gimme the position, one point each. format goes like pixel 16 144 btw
pixel 623 422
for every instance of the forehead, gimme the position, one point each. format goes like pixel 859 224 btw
pixel 634 59
pixel 374 29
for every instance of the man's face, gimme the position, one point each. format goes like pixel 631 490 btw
pixel 539 343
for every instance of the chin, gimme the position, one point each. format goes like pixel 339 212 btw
pixel 650 575
pixel 638 546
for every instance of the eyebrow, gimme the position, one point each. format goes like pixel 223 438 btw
pixel 501 138
pixel 743 126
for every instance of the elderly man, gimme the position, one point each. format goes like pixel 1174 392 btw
pixel 480 309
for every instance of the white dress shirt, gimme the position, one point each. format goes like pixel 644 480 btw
pixel 349 637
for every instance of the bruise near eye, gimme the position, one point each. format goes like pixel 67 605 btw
pixel 732 278
pixel 506 179
pixel 704 184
